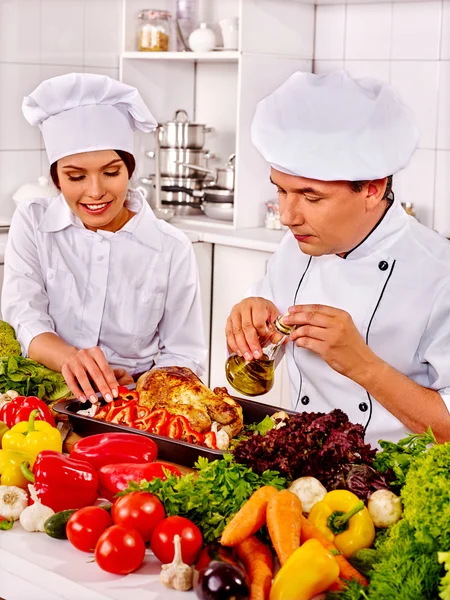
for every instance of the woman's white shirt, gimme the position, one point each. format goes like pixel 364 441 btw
pixel 134 293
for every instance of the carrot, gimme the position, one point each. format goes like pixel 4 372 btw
pixel 338 586
pixel 283 516
pixel 257 560
pixel 346 570
pixel 249 518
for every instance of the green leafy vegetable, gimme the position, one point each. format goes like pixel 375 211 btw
pixel 444 587
pixel 212 496
pixel 30 378
pixel 426 496
pixel 9 346
pixel 399 457
pixel 263 426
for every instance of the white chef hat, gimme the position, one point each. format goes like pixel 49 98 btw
pixel 82 112
pixel 332 127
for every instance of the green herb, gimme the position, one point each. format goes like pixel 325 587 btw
pixel 263 426
pixel 399 457
pixel 353 591
pixel 407 569
pixel 30 378
pixel 363 560
pixel 444 587
pixel 212 496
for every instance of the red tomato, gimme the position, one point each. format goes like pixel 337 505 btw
pixel 120 550
pixel 85 527
pixel 162 540
pixel 138 510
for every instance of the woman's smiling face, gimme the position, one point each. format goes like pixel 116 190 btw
pixel 94 185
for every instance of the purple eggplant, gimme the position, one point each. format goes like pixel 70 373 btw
pixel 222 581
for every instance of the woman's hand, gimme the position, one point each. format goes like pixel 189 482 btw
pixel 332 334
pixel 89 367
pixel 123 377
pixel 248 321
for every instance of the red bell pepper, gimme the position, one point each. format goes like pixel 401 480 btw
pixel 210 440
pixel 62 482
pixel 115 478
pixel 180 429
pixel 112 448
pixel 19 409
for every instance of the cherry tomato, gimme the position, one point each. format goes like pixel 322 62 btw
pixel 120 550
pixel 85 527
pixel 162 540
pixel 138 510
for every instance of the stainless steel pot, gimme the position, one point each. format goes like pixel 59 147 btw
pixel 217 210
pixel 181 162
pixel 183 210
pixel 181 133
pixel 223 177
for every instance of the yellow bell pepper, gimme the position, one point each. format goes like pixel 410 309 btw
pixel 10 472
pixel 3 429
pixel 342 517
pixel 310 570
pixel 32 437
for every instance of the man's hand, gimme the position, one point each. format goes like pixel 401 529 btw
pixel 248 321
pixel 331 333
pixel 85 368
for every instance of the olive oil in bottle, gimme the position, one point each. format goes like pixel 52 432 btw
pixel 256 377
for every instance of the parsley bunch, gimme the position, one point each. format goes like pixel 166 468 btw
pixel 212 496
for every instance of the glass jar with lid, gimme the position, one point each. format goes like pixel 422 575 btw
pixel 153 30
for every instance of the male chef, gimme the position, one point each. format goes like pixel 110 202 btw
pixel 366 285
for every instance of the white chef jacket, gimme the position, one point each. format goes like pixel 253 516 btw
pixel 134 293
pixel 396 286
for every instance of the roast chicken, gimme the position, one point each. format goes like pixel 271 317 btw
pixel 181 392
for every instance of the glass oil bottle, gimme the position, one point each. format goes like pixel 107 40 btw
pixel 256 377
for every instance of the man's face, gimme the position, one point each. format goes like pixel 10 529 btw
pixel 326 217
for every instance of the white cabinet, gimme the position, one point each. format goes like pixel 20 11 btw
pixel 234 271
pixel 222 89
pixel 203 254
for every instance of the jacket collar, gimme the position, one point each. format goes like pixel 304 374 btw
pixel 383 235
pixel 144 225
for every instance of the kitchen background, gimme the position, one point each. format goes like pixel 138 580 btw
pixel 405 43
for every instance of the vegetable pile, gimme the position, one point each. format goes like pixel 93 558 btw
pixel 29 378
pixel 406 563
pixel 326 446
pixel 212 496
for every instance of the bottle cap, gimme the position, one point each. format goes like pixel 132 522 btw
pixel 282 328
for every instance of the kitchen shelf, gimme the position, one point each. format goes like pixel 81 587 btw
pixel 214 56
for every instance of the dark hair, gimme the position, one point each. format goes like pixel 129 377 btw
pixel 127 158
pixel 357 186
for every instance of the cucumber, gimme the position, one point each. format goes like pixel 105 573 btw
pixel 55 526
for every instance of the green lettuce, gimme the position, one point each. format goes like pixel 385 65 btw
pixel 29 378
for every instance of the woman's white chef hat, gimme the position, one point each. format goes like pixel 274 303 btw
pixel 82 112
pixel 332 127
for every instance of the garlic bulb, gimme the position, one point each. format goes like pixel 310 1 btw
pixel 177 575
pixel 13 500
pixel 34 516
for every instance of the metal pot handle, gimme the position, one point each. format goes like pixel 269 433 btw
pixel 195 167
pixel 179 188
pixel 231 160
pixel 181 111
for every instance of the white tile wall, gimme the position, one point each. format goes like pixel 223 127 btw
pixel 40 39
pixel 408 45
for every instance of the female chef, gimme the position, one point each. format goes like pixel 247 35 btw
pixel 367 286
pixel 95 286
